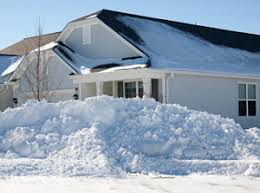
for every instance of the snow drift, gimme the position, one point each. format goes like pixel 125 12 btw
pixel 107 136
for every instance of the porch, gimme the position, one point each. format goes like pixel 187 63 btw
pixel 124 83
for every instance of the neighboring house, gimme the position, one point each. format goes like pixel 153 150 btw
pixel 28 44
pixel 5 90
pixel 10 59
pixel 126 55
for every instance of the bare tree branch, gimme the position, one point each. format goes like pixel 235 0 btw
pixel 39 82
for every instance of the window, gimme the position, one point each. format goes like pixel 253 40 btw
pixel 130 89
pixel 246 99
pixel 133 89
pixel 120 89
pixel 140 89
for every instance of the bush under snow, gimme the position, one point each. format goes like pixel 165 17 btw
pixel 107 136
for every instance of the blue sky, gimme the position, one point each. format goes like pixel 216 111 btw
pixel 18 17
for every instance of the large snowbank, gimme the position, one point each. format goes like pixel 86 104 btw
pixel 107 136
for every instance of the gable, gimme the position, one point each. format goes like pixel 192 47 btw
pixel 57 73
pixel 56 63
pixel 92 39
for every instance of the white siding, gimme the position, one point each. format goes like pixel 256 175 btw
pixel 59 83
pixel 6 98
pixel 103 44
pixel 212 94
pixel 87 90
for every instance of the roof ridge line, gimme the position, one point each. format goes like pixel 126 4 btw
pixel 181 22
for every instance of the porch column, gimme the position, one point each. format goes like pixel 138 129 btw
pixel 163 90
pixel 80 91
pixel 114 89
pixel 147 87
pixel 99 88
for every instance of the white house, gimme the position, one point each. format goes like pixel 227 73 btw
pixel 125 55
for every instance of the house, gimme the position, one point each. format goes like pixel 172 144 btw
pixel 126 55
pixel 10 58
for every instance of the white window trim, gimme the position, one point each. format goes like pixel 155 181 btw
pixel 136 89
pixel 247 99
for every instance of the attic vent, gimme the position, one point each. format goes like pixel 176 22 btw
pixel 86 35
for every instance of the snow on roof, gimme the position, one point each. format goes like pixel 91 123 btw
pixel 126 67
pixel 5 63
pixel 18 60
pixel 85 65
pixel 171 48
pixel 45 47
pixel 12 67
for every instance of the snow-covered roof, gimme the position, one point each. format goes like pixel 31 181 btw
pixel 176 49
pixel 6 61
pixel 175 45
pixel 85 65
pixel 12 66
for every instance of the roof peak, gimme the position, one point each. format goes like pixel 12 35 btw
pixel 159 19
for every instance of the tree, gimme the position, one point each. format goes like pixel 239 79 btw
pixel 38 80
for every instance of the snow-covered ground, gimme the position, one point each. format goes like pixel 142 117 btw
pixel 131 184
pixel 105 144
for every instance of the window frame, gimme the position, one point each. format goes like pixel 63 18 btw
pixel 247 99
pixel 136 86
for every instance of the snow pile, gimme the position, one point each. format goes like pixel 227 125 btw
pixel 107 136
pixel 171 48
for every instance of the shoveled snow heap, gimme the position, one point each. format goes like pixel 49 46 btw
pixel 107 136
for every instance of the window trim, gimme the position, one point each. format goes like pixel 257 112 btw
pixel 247 99
pixel 136 86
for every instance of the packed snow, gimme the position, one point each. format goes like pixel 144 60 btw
pixel 131 184
pixel 171 48
pixel 106 136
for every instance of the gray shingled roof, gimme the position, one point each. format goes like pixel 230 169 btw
pixel 28 44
